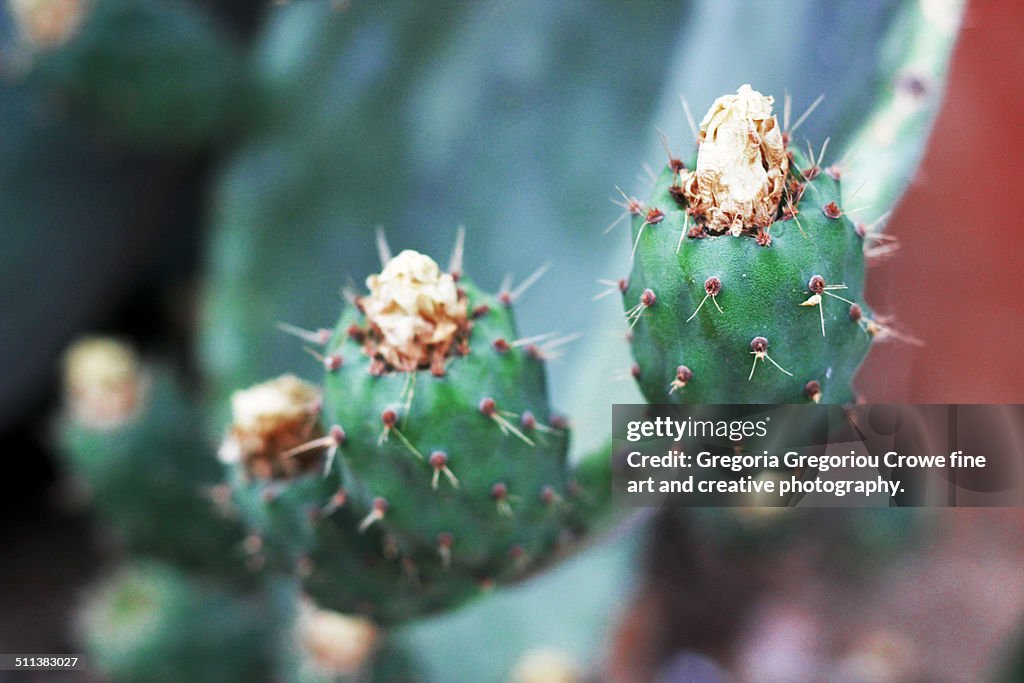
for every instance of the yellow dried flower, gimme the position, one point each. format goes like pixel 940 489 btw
pixel 49 23
pixel 270 419
pixel 414 310
pixel 741 164
pixel 103 382
pixel 335 643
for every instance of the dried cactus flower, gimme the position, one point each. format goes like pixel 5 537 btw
pixel 415 313
pixel 49 23
pixel 546 666
pixel 741 164
pixel 103 382
pixel 269 421
pixel 335 643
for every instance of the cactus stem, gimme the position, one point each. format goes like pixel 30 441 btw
pixel 445 541
pixel 759 349
pixel 712 286
pixel 379 508
pixel 439 461
pixel 319 337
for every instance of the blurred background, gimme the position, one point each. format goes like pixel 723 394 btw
pixel 517 121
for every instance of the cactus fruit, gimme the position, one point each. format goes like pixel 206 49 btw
pixel 747 283
pixel 442 406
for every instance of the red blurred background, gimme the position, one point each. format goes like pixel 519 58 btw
pixel 961 231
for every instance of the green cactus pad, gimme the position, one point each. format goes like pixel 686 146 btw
pixel 762 288
pixel 504 509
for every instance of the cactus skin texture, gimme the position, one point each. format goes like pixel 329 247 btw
pixel 762 291
pixel 501 507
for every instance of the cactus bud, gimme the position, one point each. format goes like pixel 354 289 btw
pixel 415 313
pixel 271 420
pixel 741 165
pixel 336 644
pixel 103 382
pixel 47 24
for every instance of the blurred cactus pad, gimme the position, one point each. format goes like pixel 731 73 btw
pixel 381 441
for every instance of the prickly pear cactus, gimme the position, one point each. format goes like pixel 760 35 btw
pixel 748 275
pixel 444 412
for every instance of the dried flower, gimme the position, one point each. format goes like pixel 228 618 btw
pixel 741 164
pixel 415 311
pixel 335 643
pixel 49 23
pixel 269 420
pixel 103 382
